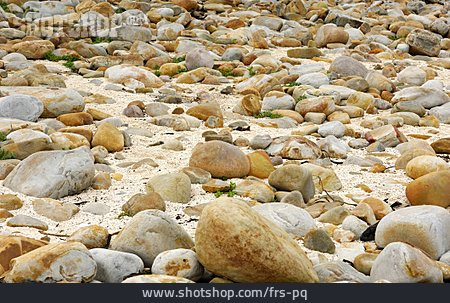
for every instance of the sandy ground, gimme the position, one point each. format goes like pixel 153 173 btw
pixel 389 185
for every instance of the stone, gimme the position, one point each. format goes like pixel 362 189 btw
pixel 324 178
pixel 255 189
pixel 402 263
pixel 442 113
pixel 179 262
pixel 140 202
pixel 173 187
pixel 149 233
pixel 387 135
pixel 334 128
pixel 277 100
pixel 156 279
pixel 10 202
pixel 412 75
pixel 339 271
pixel 317 105
pixel 55 262
pixel 108 136
pixel 330 33
pixel 36 49
pixel 115 266
pixel 248 106
pixel 347 66
pixel 361 100
pixel 314 79
pixel 91 236
pixel 304 52
pixel 441 146
pixel 126 74
pixel 56 101
pixel 260 164
pixel 199 57
pixel 364 262
pixel 220 159
pixel 294 197
pixel 54 209
pixel 101 181
pixel 76 119
pixel 422 165
pixel 334 216
pixel 319 240
pixel 26 221
pixel 376 80
pixel 288 217
pixel 204 111
pixel 53 174
pixel 355 225
pixel 14 246
pixel 380 208
pixel 430 189
pixel 424 227
pixel 21 107
pixel 197 175
pixel 427 97
pixel 227 244
pixel 334 147
pixel 260 141
pixel 423 42
pixel 293 177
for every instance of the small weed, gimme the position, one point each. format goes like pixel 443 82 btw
pixel 182 70
pixel 120 10
pixel 393 37
pixel 5 7
pixel 5 155
pixel 228 74
pixel 102 40
pixel 230 193
pixel 178 59
pixel 70 65
pixel 267 114
pixel 302 97
pixel 292 84
pixel 123 214
pixel 2 136
pixel 251 71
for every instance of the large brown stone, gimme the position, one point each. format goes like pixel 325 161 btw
pixel 235 242
pixel 260 164
pixel 431 189
pixel 14 246
pixel 57 262
pixel 441 146
pixel 221 159
pixel 109 136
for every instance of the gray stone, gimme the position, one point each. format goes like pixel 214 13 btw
pixel 334 128
pixel 21 107
pixel 355 225
pixel 402 263
pixel 53 174
pixel 292 219
pixel 347 66
pixel 149 233
pixel 339 271
pixel 425 227
pixel 199 58
pixel 179 262
pixel 293 177
pixel 115 266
